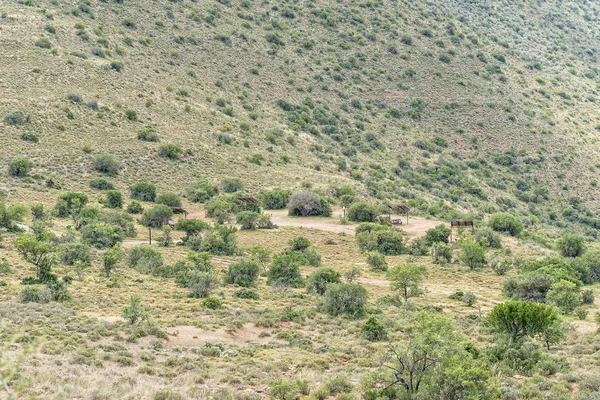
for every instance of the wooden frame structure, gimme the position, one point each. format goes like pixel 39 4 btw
pixel 400 209
pixel 249 200
pixel 460 224
pixel 179 210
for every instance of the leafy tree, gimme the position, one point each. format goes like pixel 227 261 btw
pixel 243 273
pixel 201 191
pixel 101 183
pixel 554 333
pixel 306 203
pixel 114 199
pixel 135 311
pixel 406 278
pixel 143 191
pixel 19 167
pixel 275 199
pixel 107 163
pixel 10 215
pixel 141 253
pixel 40 254
pixel 191 227
pixel 363 212
pixel 564 295
pixel 169 199
pixel 157 216
pixel 519 319
pixel 111 258
pixel 345 298
pixel 571 245
pixel 376 261
pixel 439 234
pixel 472 254
pixel 504 222
pixel 318 280
pixel 200 261
pixel 232 185
pixel 285 270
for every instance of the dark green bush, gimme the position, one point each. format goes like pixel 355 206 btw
pixel 148 135
pixel 76 252
pixel 19 167
pixel 114 199
pixel 299 243
pixel 107 163
pixel 16 118
pixel 247 219
pixel 243 273
pixel 486 237
pixel 70 203
pixel 135 207
pixel 376 261
pixel 170 151
pixel 201 191
pixel 232 185
pixel 363 212
pixel 143 191
pixel 318 280
pixel 102 235
pixel 373 330
pixel 275 199
pixel 345 299
pixel 168 199
pixel 285 270
pixel 246 294
pixel 389 242
pixel 503 222
pixel 439 234
pixel 570 245
pixel 101 183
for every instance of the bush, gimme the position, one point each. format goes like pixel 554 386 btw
pixel 116 65
pixel 472 254
pixel 101 183
pixel 232 185
pixel 143 191
pixel 246 294
pixel 307 203
pixel 212 303
pixel 243 273
pixel 35 295
pixel 299 243
pixel 469 299
pixel 221 208
pixel 169 199
pixel 285 270
pixel 76 252
pixel 141 254
pixel 16 118
pixel 107 163
pixel 373 330
pixel 70 203
pixel 247 219
pixel 486 237
pixel 135 207
pixel 503 222
pixel 170 151
pixel 345 298
pixel 191 227
pixel 501 267
pixel 317 281
pixel 19 167
pixel 157 216
pixel 275 199
pixel 581 313
pixel 135 311
pixel 571 245
pixel 564 295
pixel 114 199
pixel 531 286
pixel 201 191
pixel 389 242
pixel 220 241
pixel 439 234
pixel 200 284
pixel 587 296
pixel 264 222
pixel 131 115
pixel 363 212
pixel 29 137
pixel 148 135
pixel 102 235
pixel 441 253
pixel 376 261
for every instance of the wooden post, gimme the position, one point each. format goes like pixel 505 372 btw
pixel 150 235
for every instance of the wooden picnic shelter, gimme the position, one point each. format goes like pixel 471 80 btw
pixel 399 209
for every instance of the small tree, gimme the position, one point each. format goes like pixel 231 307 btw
pixel 107 163
pixel 201 191
pixel 363 212
pixel 114 199
pixel 345 298
pixel 318 280
pixel 571 245
pixel 111 258
pixel 554 333
pixel 166 239
pixel 376 261
pixel 247 219
pixel 373 330
pixel 200 284
pixel 260 254
pixel 243 273
pixel 70 204
pixel 19 167
pixel 143 191
pixel 564 295
pixel 439 234
pixel 102 235
pixel 157 216
pixel 472 254
pixel 191 227
pixel 135 207
pixel 406 278
pixel 486 237
pixel 441 253
pixel 135 311
pixel 285 270
pixel 519 319
pixel 275 199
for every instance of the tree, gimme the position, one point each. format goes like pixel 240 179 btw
pixel 472 254
pixel 363 212
pixel 439 234
pixel 247 219
pixel 571 245
pixel 102 234
pixel 554 333
pixel 114 199
pixel 564 295
pixel 70 204
pixel 191 227
pixel 275 199
pixel 345 298
pixel 406 278
pixel 135 311
pixel 40 254
pixel 306 203
pixel 199 283
pixel 318 280
pixel 519 319
pixel 243 273
pixel 260 254
pixel 504 222
pixel 441 253
pixel 111 257
pixel 107 163
pixel 157 216
pixel 486 237
pixel 10 215
pixel 373 330
pixel 169 199
pixel 19 167
pixel 143 191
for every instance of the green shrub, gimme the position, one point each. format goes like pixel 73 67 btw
pixel 70 203
pixel 201 191
pixel 406 279
pixel 275 199
pixel 131 115
pixel 373 330
pixel 389 242
pixel 102 235
pixel 107 163
pixel 501 267
pixel 299 243
pixel 247 219
pixel 29 137
pixel 441 253
pixel 232 185
pixel 101 183
pixel 307 203
pixel 317 281
pixel 571 245
pixel 19 167
pixel 587 296
pixel 16 118
pixel 581 313
pixel 503 222
pixel 139 255
pixel 134 312
pixel 376 261
pixel 469 299
pixel 148 135
pixel 345 299
pixel 143 191
pixel 220 241
pixel 564 295
pixel 170 151
pixel 114 199
pixel 200 284
pixel 221 208
pixel 212 303
pixel 43 43
pixel 35 295
pixel 169 199
pixel 157 216
pixel 243 273
pixel 76 252
pixel 135 207
pixel 486 237
pixel 246 294
pixel 285 270
pixel 191 227
pixel 472 254
pixel 439 234
pixel 363 212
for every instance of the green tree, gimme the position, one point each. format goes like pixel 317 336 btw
pixel 102 234
pixel 285 270
pixel 111 258
pixel 70 204
pixel 571 245
pixel 157 216
pixel 406 278
pixel 519 319
pixel 318 280
pixel 441 253
pixel 564 295
pixel 40 254
pixel 201 191
pixel 247 219
pixel 275 199
pixel 554 333
pixel 373 330
pixel 134 312
pixel 439 234
pixel 261 254
pixel 191 227
pixel 472 254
